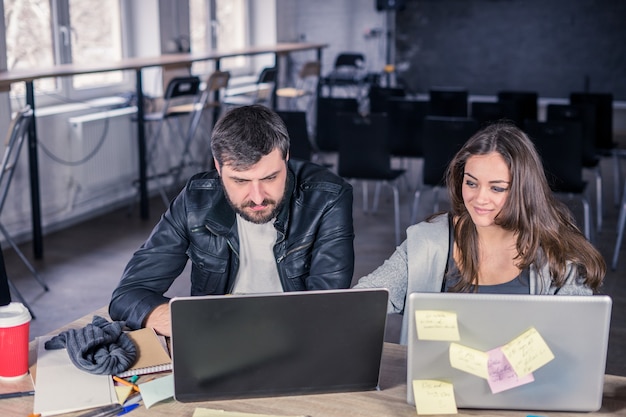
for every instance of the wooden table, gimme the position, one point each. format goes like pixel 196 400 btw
pixel 136 64
pixel 389 401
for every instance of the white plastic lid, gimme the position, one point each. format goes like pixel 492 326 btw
pixel 13 315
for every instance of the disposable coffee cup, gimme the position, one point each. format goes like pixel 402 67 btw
pixel 14 327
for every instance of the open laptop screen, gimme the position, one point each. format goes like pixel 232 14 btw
pixel 574 328
pixel 242 346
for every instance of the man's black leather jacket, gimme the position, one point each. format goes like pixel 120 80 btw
pixel 314 249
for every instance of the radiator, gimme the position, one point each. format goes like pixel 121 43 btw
pixel 103 151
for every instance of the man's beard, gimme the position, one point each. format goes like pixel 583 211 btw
pixel 258 217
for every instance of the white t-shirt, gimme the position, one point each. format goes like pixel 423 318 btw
pixel 258 272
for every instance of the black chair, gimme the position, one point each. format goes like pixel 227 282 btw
pixel 17 132
pixel 560 145
pixel 378 97
pixel 364 156
pixel 486 112
pixel 350 59
pixel 260 92
pixel 305 86
pixel 442 138
pixel 181 93
pixel 605 145
pixel 448 101
pixel 326 134
pixel 300 145
pixel 519 106
pixel 584 115
pixel 405 120
pixel 603 104
pixel 348 71
pixel 621 223
pixel 210 98
pixel 405 123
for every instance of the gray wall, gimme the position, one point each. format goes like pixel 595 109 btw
pixel 342 24
pixel 549 46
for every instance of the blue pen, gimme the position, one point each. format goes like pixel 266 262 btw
pixel 128 409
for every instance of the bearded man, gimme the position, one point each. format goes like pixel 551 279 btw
pixel 258 223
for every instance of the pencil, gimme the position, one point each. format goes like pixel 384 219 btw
pixel 125 382
pixel 16 394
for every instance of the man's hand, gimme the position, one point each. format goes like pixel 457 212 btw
pixel 159 320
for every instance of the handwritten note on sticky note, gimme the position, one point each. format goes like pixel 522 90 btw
pixel 502 377
pixel 469 360
pixel 527 352
pixel 434 397
pixel 436 325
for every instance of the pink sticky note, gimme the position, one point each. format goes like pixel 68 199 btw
pixel 501 374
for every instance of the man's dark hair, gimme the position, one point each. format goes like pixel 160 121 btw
pixel 245 134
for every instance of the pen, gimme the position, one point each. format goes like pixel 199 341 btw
pixel 127 409
pixel 106 411
pixel 16 394
pixel 125 382
pixel 132 399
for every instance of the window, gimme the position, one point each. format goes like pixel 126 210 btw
pixel 62 32
pixel 95 27
pixel 221 25
pixel 35 50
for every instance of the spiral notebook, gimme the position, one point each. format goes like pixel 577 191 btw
pixel 152 353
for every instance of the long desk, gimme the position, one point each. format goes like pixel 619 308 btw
pixel 136 64
pixel 389 401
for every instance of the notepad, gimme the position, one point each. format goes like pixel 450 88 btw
pixel 61 387
pixel 152 354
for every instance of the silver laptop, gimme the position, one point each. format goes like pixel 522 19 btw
pixel 242 346
pixel 575 329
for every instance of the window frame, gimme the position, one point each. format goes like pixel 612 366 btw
pixel 61 38
pixel 211 40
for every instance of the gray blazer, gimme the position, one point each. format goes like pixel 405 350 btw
pixel 423 270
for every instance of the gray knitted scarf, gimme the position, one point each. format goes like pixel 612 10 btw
pixel 99 348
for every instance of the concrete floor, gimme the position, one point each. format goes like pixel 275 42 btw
pixel 82 264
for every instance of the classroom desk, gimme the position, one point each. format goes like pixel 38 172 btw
pixel 389 401
pixel 136 64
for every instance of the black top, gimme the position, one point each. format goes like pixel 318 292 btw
pixel 518 285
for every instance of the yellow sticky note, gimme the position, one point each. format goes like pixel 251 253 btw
pixel 469 360
pixel 436 325
pixel 123 392
pixel 527 352
pixel 434 397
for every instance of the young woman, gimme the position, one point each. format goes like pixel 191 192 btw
pixel 505 232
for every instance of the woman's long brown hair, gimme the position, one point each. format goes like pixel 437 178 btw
pixel 546 230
